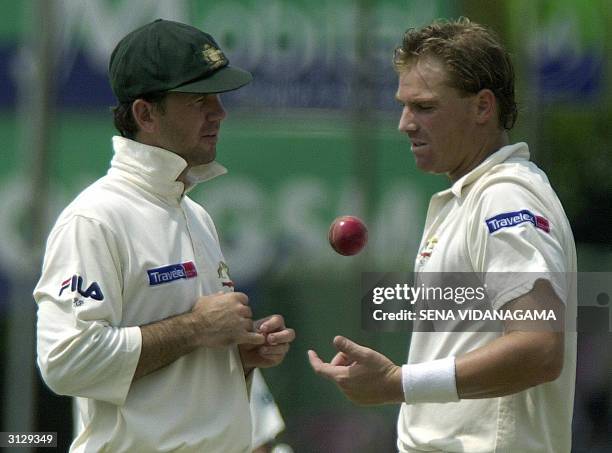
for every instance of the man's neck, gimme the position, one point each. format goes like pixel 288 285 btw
pixel 491 144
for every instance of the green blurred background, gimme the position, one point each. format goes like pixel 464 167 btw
pixel 313 137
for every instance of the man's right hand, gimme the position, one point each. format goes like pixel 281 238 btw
pixel 223 319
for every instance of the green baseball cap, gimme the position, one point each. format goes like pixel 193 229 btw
pixel 170 56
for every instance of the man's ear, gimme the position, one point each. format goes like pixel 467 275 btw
pixel 486 106
pixel 144 114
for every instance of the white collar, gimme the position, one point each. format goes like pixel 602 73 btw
pixel 156 169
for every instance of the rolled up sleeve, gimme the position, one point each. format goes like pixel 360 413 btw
pixel 514 257
pixel 82 348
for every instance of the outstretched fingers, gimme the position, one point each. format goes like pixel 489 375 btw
pixel 353 351
pixel 327 370
pixel 341 359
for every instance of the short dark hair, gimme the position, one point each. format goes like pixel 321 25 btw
pixel 122 113
pixel 473 56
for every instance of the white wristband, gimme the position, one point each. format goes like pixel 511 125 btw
pixel 430 382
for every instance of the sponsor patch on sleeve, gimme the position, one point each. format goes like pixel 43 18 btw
pixel 510 219
pixel 167 274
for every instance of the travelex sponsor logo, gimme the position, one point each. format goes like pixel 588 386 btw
pixel 171 273
pixel 75 283
pixel 510 219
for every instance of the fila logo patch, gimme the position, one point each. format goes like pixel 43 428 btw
pixel 167 274
pixel 510 219
pixel 75 283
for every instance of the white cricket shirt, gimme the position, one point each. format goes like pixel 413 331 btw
pixel 131 250
pixel 473 227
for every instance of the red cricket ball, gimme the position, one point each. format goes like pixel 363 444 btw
pixel 348 235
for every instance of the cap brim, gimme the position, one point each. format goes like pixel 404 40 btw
pixel 227 78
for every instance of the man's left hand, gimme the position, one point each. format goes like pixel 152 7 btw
pixel 363 375
pixel 273 351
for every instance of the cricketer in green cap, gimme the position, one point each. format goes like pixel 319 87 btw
pixel 170 56
pixel 159 347
pixel 167 77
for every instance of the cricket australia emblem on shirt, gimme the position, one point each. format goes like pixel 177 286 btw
pixel 428 249
pixel 223 273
